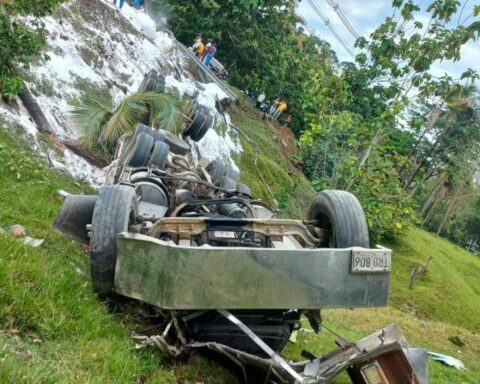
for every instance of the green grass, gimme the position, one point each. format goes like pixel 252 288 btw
pixel 449 292
pixel 54 330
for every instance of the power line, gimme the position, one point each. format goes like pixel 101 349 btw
pixel 344 19
pixel 330 27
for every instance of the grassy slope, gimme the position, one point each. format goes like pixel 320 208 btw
pixel 53 329
pixel 292 191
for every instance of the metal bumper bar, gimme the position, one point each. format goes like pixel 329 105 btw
pixel 191 278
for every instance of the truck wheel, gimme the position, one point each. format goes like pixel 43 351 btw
pixel 141 150
pixel 198 134
pixel 341 217
pixel 115 209
pixel 217 170
pixel 143 128
pixel 177 145
pixel 244 189
pixel 197 122
pixel 159 155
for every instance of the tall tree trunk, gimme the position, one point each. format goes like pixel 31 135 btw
pixel 431 199
pixel 432 119
pixel 365 156
pixel 449 210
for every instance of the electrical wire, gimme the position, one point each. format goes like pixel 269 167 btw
pixel 330 27
pixel 344 19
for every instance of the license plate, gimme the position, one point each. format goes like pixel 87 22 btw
pixel 371 261
pixel 224 234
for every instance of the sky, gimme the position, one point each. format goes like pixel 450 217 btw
pixel 367 15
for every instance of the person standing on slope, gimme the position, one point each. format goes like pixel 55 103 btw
pixel 260 100
pixel 121 2
pixel 207 47
pixel 282 106
pixel 196 42
pixel 212 50
pixel 199 51
pixel 273 107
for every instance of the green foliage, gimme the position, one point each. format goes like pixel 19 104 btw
pixel 101 124
pixel 20 42
pixel 260 43
pixel 330 150
pixel 355 141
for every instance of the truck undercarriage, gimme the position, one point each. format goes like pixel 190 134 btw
pixel 192 242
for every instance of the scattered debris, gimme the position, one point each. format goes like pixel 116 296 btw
pixel 17 231
pixel 383 353
pixel 447 360
pixel 30 241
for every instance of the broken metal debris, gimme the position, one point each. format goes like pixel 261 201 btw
pixel 447 360
pixel 384 352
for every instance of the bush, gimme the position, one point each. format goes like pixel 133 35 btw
pixel 20 42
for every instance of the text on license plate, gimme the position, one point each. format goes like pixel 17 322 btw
pixel 371 261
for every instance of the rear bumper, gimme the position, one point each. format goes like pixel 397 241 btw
pixel 190 278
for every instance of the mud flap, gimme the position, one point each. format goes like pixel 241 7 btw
pixel 75 215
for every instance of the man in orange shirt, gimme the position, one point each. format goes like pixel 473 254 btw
pixel 282 106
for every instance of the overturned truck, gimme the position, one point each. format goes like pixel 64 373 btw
pixel 185 237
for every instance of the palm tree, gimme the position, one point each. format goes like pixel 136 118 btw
pixel 100 123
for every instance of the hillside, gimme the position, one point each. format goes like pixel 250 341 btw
pixel 54 329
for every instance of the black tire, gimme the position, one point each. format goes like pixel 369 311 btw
pixel 143 128
pixel 177 145
pixel 115 209
pixel 232 173
pixel 202 131
pixel 227 183
pixel 244 189
pixel 216 170
pixel 141 150
pixel 340 214
pixel 159 155
pixel 158 136
pixel 197 122
pixel 153 81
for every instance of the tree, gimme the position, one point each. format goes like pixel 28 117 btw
pixel 260 43
pixel 100 123
pixel 21 39
pixel 405 55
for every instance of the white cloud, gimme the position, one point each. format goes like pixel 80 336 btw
pixel 470 58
